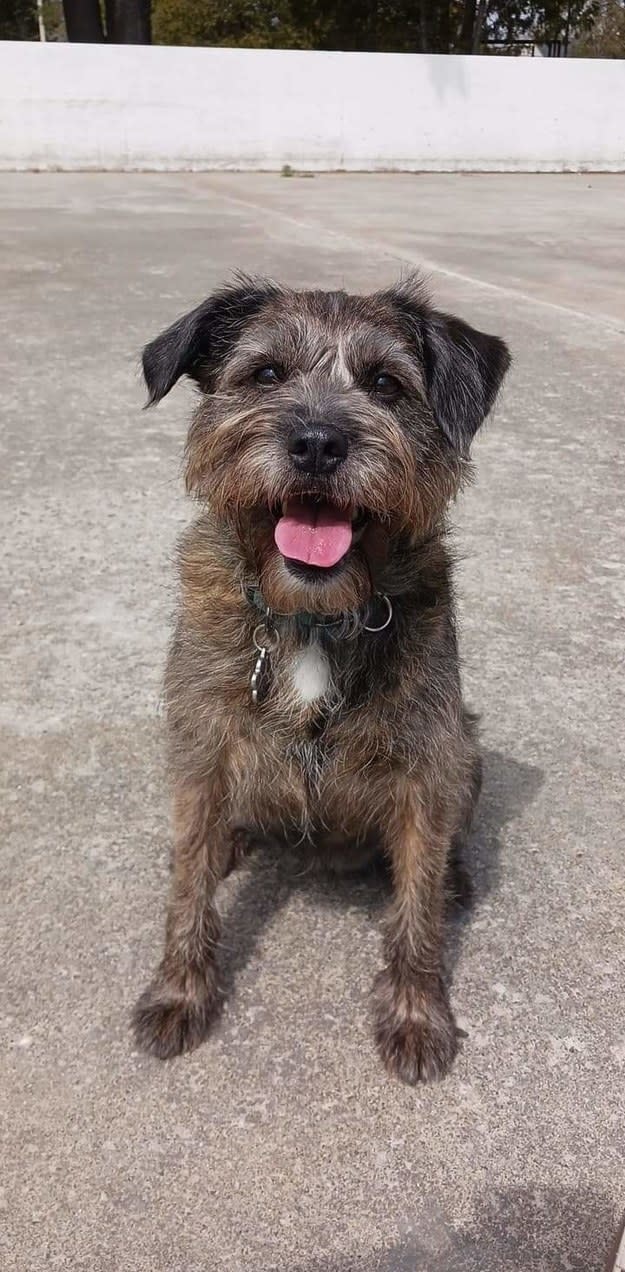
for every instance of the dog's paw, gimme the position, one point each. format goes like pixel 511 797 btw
pixel 167 1021
pixel 414 1029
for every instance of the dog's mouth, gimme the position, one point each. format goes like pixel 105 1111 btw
pixel 316 534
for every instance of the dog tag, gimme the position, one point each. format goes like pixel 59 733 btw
pixel 260 676
pixel 266 639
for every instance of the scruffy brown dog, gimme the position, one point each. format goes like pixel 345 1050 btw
pixel 312 688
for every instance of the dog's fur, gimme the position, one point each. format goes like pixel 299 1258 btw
pixel 361 741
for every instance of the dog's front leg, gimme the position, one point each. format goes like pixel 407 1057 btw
pixel 175 1011
pixel 414 1025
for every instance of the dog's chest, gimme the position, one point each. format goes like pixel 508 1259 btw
pixel 308 692
pixel 309 676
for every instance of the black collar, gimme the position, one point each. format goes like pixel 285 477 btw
pixel 373 617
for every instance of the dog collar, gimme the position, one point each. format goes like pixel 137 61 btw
pixel 375 616
pixel 266 635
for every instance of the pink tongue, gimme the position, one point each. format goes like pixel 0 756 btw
pixel 315 534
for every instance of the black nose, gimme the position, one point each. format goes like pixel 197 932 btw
pixel 317 448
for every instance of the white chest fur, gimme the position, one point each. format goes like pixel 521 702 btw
pixel 310 674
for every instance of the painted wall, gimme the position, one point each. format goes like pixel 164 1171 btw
pixel 92 107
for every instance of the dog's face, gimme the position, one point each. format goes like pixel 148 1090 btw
pixel 330 427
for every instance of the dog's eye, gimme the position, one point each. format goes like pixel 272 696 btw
pixel 267 377
pixel 386 386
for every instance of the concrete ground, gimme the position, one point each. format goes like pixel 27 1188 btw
pixel 281 1144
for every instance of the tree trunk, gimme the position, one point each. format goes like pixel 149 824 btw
pixel 468 26
pixel 423 26
pixel 128 21
pixel 444 33
pixel 478 25
pixel 83 22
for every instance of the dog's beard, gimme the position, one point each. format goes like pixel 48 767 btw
pixel 240 466
pixel 290 586
pixel 312 546
pixel 296 570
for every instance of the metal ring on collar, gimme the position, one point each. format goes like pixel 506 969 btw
pixel 269 640
pixel 388 618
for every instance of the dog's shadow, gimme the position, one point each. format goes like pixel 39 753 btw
pixel 272 874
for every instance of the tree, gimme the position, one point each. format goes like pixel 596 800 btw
pixel 18 20
pixel 402 26
pixel 595 27
pixel 117 21
pixel 83 21
pixel 236 23
pixel 606 36
pixel 512 20
pixel 352 25
pixel 127 21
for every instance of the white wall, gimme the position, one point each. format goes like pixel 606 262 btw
pixel 93 107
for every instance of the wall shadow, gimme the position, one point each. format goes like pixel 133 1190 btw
pixel 532 1229
pixel 448 76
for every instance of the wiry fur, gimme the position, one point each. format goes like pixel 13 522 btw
pixel 386 757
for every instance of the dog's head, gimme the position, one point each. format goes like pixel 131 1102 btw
pixel 330 426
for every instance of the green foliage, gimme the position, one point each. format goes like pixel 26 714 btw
pixel 237 23
pixel 402 26
pixel 53 19
pixel 606 36
pixel 597 27
pixel 396 25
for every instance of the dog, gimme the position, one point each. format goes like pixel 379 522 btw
pixel 312 687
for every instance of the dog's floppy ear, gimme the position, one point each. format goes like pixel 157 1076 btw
pixel 197 342
pixel 464 369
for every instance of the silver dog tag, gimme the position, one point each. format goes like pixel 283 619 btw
pixel 266 640
pixel 258 682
